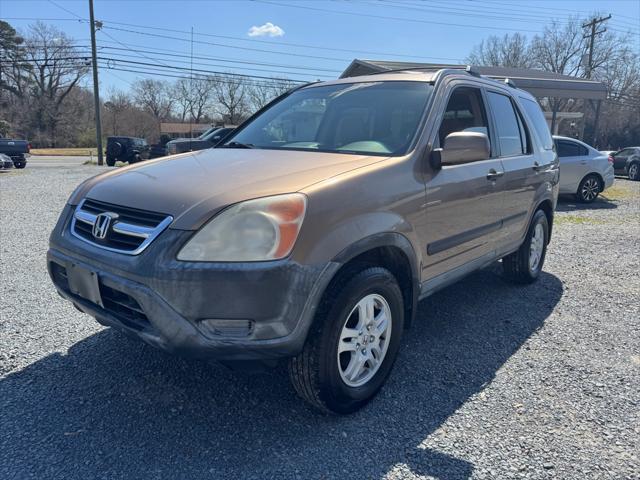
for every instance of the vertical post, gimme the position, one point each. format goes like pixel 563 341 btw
pixel 593 25
pixel 191 96
pixel 96 86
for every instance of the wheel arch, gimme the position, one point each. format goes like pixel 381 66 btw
pixel 390 250
pixel 546 205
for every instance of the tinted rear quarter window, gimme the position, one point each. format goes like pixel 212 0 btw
pixel 570 149
pixel 537 120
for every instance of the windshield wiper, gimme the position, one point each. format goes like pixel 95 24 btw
pixel 237 145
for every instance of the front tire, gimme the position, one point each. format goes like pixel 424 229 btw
pixel 353 343
pixel 524 265
pixel 589 189
pixel 634 172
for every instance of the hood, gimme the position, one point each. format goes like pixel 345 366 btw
pixel 193 186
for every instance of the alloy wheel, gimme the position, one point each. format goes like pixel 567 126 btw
pixel 537 247
pixel 590 189
pixel 364 340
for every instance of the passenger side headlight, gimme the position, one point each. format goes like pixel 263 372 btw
pixel 255 230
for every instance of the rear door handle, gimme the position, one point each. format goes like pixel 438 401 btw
pixel 493 175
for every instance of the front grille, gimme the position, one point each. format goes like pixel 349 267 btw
pixel 124 229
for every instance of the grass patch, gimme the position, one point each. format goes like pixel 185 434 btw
pixel 90 162
pixel 76 152
pixel 621 191
pixel 576 220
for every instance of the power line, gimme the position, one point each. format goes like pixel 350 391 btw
pixel 385 17
pixel 151 72
pixel 187 62
pixel 279 44
pixel 176 53
pixel 214 72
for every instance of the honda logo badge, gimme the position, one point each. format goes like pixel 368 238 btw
pixel 102 224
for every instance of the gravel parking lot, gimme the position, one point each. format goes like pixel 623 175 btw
pixel 493 381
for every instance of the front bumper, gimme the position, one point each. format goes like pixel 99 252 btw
pixel 229 311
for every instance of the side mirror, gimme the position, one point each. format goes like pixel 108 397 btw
pixel 461 147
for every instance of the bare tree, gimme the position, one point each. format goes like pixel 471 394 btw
pixel 154 96
pixel 260 94
pixel 56 69
pixel 508 51
pixel 116 107
pixel 183 98
pixel 232 98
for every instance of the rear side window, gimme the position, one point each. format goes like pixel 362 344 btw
pixel 511 137
pixel 536 117
pixel 570 149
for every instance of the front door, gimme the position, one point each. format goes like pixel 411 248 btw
pixel 464 203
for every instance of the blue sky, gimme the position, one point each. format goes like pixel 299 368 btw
pixel 430 30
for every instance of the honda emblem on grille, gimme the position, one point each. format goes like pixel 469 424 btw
pixel 102 224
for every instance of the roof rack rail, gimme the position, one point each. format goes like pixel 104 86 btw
pixel 510 82
pixel 467 68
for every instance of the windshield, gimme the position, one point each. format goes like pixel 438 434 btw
pixel 377 118
pixel 207 133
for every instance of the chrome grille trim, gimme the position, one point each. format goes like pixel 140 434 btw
pixel 147 234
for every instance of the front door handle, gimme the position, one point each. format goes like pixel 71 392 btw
pixel 493 175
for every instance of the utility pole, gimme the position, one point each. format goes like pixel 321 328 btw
pixel 96 87
pixel 593 31
pixel 593 26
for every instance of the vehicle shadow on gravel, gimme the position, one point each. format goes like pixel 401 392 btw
pixel 568 203
pixel 113 407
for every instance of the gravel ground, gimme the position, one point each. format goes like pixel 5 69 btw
pixel 493 381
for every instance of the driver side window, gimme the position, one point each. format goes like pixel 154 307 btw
pixel 465 112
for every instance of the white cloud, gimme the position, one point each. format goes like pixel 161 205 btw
pixel 266 30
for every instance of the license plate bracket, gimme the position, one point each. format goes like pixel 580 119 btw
pixel 84 283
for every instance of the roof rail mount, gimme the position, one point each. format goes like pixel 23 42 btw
pixel 472 71
pixel 510 82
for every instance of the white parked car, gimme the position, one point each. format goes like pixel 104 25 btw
pixel 584 171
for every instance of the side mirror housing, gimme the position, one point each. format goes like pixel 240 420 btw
pixel 464 147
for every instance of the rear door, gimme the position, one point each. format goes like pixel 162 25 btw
pixel 464 202
pixel 574 164
pixel 515 149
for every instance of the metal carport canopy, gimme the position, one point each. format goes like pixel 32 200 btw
pixel 537 82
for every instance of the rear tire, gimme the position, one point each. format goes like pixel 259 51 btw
pixel 111 161
pixel 634 171
pixel 19 164
pixel 524 265
pixel 589 189
pixel 350 350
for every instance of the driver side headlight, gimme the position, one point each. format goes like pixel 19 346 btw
pixel 254 230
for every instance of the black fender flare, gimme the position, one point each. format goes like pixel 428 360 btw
pixel 388 239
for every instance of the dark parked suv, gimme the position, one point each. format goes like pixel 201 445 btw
pixel 311 233
pixel 126 149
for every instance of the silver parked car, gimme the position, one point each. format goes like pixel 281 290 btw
pixel 584 171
